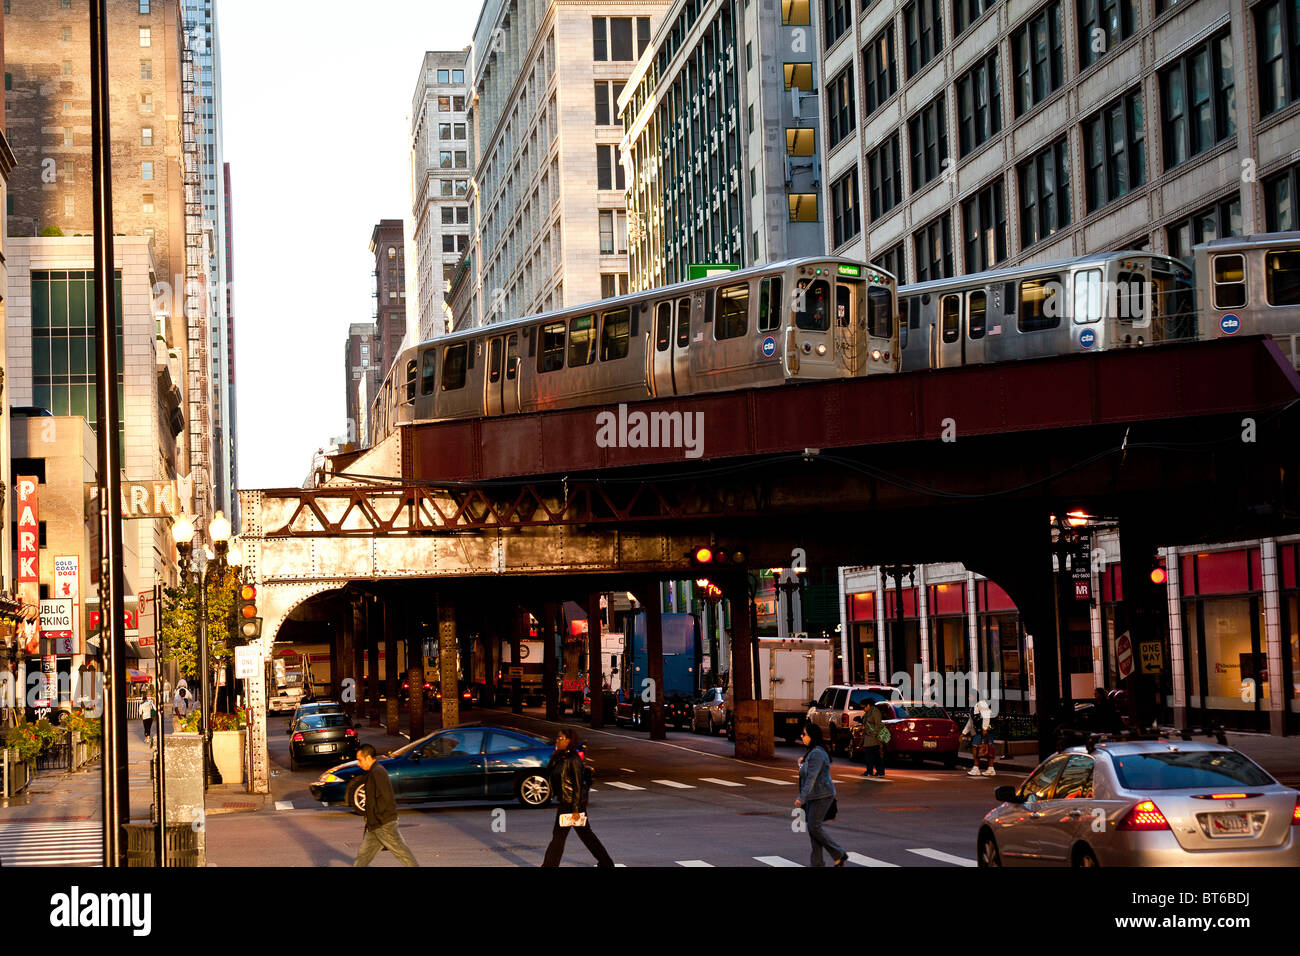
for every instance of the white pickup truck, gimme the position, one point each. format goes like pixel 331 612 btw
pixel 791 673
pixel 289 692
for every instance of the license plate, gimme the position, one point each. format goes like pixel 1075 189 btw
pixel 324 748
pixel 1229 825
pixel 930 744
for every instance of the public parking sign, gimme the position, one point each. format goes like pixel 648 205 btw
pixel 56 624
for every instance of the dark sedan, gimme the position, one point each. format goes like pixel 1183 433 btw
pixel 464 763
pixel 324 736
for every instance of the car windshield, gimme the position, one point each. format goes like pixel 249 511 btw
pixel 860 698
pixel 1173 770
pixel 323 721
pixel 919 710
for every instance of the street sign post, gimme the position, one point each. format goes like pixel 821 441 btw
pixel 248 662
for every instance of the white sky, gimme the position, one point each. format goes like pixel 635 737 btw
pixel 316 95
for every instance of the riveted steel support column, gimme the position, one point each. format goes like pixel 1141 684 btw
pixel 549 663
pixel 518 627
pixel 357 614
pixel 448 680
pixel 392 624
pixel 415 701
pixel 594 683
pixel 374 625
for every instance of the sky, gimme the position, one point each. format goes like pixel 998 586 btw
pixel 316 96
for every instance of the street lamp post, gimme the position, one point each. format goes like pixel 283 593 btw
pixel 183 532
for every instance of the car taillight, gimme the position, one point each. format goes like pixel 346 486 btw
pixel 297 738
pixel 1144 816
pixel 405 686
pixel 844 720
pixel 349 732
pixel 1295 814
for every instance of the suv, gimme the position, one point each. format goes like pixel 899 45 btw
pixel 838 707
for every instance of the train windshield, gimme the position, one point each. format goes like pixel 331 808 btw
pixel 880 312
pixel 812 306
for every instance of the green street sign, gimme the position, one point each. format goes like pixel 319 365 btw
pixel 697 270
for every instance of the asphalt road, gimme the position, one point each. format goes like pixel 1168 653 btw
pixel 681 802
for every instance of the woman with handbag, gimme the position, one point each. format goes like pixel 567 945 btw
pixel 817 795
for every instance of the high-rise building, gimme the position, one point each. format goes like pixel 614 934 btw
pixel 549 177
pixel 361 376
pixel 980 134
pixel 390 291
pixel 439 223
pixel 707 102
pixel 228 292
pixel 8 606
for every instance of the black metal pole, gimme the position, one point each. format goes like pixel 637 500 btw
pixel 117 798
pixel 160 734
pixel 205 726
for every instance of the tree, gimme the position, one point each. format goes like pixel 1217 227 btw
pixel 180 620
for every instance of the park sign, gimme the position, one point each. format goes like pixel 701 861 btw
pixel 153 499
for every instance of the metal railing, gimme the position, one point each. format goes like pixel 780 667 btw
pixel 15 773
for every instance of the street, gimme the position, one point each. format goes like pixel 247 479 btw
pixel 679 802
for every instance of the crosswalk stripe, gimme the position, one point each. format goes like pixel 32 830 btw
pixel 779 783
pixel 943 857
pixel 627 770
pixel 623 786
pixel 284 804
pixel 721 783
pixel 776 861
pixel 694 863
pixel 861 860
pixel 674 783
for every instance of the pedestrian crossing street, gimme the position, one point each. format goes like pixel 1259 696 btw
pixel 924 856
pixel 75 843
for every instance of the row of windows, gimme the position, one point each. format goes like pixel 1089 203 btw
pixel 612 38
pixel 451 131
pixel 451 104
pixel 456 77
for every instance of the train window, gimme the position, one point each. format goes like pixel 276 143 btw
pixel 512 358
pixel 1282 273
pixel 769 305
pixel 494 361
pixel 1229 282
pixel 683 322
pixel 614 335
pixel 428 371
pixel 1040 306
pixel 812 307
pixel 663 326
pixel 880 312
pixel 410 381
pixel 733 311
pixel 582 340
pixel 1087 296
pixel 843 306
pixel 550 357
pixel 976 312
pixel 1131 297
pixel 454 358
pixel 950 318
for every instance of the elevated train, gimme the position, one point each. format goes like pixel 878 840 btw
pixel 1250 285
pixel 812 318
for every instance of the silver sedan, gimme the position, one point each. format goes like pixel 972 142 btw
pixel 1144 803
pixel 710 714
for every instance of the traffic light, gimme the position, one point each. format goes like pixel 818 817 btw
pixel 704 556
pixel 250 625
pixel 1158 574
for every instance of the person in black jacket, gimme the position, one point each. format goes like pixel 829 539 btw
pixel 381 813
pixel 570 784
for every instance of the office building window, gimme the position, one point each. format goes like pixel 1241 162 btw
pixel 444 104
pixel 933 247
pixel 1282 201
pixel 1103 25
pixel 67 34
pixel 923 23
pixel 146 170
pixel 1044 182
pixel 144 6
pixel 1114 148
pixel 444 131
pixel 927 135
pixel 846 219
pixel 800 142
pixel 145 39
pixel 879 71
pixel 891 260
pixel 613 232
pixel 613 284
pixel 749 56
pixel 1038 57
pixel 67 67
pixel 619 38
pixel 795 13
pixel 146 69
pixel 458 77
pixel 146 202
pixel 966 12
pixel 1213 222
pixel 444 159
pixel 607 94
pixel 840 112
pixel 1277 35
pixel 448 215
pixel 444 77
pixel 979 103
pixel 839 17
pixel 885 174
pixel 984 224
pixel 146 102
pixel 1198 100
pixel 609 171
pixel 798 75
pixel 803 207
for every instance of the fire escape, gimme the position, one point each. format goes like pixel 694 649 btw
pixel 195 294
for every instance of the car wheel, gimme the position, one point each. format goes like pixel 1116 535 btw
pixel 356 796
pixel 533 789
pixel 989 855
pixel 1083 856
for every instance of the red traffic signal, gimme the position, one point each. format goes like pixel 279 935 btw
pixel 250 625
pixel 702 555
pixel 1159 575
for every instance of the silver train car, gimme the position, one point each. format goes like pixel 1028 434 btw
pixel 811 318
pixel 1101 301
pixel 1250 285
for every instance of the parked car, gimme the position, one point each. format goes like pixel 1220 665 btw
pixel 709 714
pixel 834 711
pixel 315 707
pixel 463 763
pixel 1155 802
pixel 917 730
pixel 327 736
pixel 468 695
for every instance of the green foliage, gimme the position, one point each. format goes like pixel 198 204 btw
pixel 180 620
pixel 30 739
pixel 91 730
pixel 191 724
pixel 51 231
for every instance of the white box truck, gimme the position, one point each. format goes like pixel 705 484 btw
pixel 791 673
